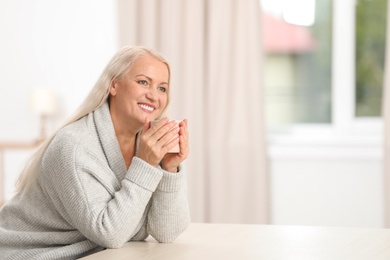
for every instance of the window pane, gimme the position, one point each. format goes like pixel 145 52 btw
pixel 297 61
pixel 370 53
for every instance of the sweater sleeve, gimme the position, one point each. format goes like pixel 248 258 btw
pixel 105 213
pixel 169 215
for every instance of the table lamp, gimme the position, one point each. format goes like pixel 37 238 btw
pixel 43 102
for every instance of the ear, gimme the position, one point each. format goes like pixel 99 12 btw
pixel 113 88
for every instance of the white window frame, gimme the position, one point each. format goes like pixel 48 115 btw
pixel 346 134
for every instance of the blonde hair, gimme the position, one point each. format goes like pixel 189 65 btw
pixel 120 63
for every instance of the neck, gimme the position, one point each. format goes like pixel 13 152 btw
pixel 127 145
pixel 126 137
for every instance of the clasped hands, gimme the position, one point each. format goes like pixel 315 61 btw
pixel 157 140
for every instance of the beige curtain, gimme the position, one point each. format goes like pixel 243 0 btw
pixel 386 120
pixel 214 48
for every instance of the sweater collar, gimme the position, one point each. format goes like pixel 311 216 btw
pixel 111 148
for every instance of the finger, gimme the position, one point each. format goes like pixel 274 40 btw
pixel 183 147
pixel 184 131
pixel 172 134
pixel 160 132
pixel 156 124
pixel 184 139
pixel 171 144
pixel 146 125
pixel 153 128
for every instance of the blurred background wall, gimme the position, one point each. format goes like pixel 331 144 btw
pixel 57 45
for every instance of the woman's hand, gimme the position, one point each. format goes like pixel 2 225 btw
pixel 171 161
pixel 157 140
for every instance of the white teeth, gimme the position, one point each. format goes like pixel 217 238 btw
pixel 146 107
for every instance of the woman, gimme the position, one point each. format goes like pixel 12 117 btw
pixel 106 176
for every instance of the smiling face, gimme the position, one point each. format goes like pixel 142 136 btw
pixel 141 92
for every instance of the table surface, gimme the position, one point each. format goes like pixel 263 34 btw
pixel 240 241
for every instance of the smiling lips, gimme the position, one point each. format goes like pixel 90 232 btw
pixel 147 107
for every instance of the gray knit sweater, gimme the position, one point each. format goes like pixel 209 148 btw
pixel 86 200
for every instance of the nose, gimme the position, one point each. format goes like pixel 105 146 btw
pixel 151 94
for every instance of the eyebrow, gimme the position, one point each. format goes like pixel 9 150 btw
pixel 150 79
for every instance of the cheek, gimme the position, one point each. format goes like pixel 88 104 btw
pixel 135 93
pixel 164 101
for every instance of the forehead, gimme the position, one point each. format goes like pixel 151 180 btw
pixel 150 66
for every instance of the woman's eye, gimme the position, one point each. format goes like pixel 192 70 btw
pixel 143 82
pixel 162 89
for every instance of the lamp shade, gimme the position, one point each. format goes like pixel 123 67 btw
pixel 43 101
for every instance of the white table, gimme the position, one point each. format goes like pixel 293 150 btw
pixel 235 241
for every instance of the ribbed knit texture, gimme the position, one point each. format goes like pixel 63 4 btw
pixel 86 200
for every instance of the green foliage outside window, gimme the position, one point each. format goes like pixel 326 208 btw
pixel 370 55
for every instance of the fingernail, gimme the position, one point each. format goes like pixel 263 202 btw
pixel 173 122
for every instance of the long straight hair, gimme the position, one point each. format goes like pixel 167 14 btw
pixel 120 63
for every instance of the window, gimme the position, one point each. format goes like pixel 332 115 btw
pixel 298 45
pixel 328 70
